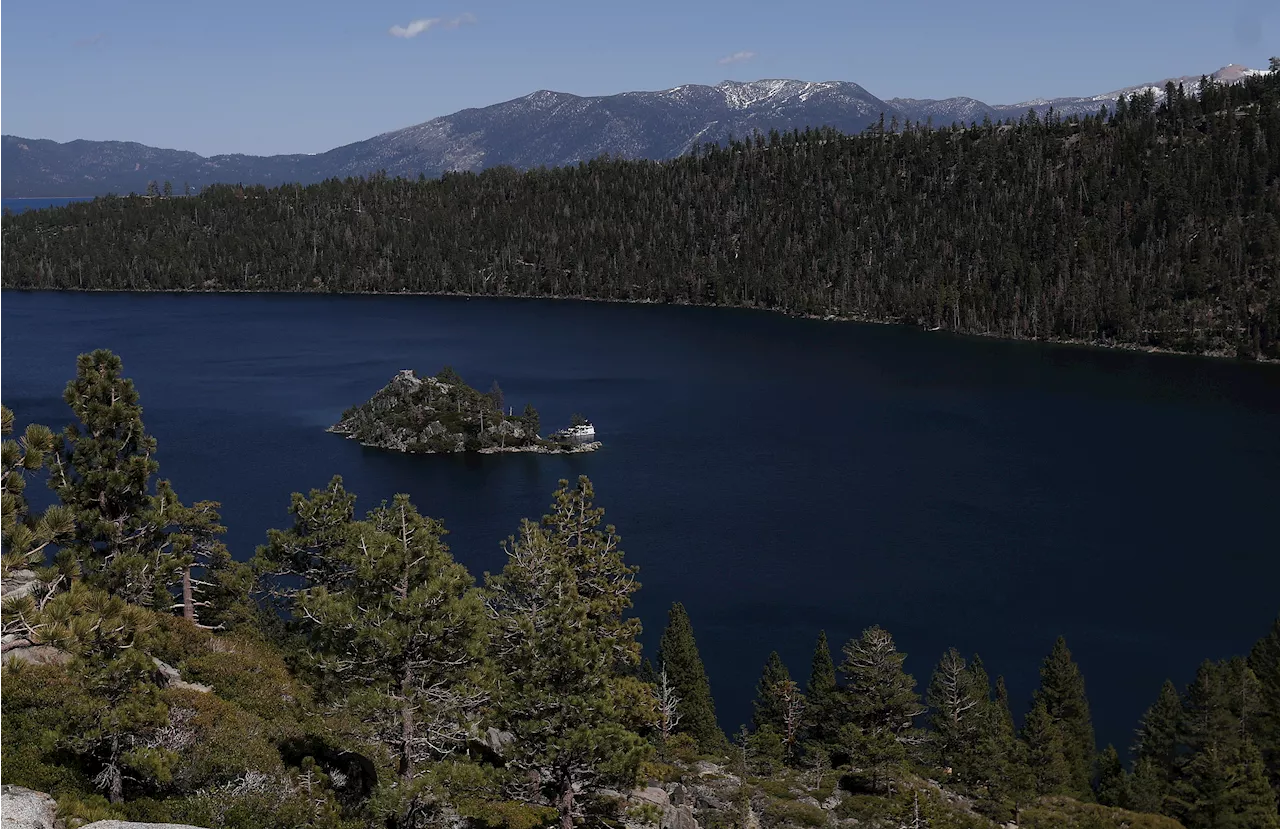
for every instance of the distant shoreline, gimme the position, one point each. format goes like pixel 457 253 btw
pixel 1110 346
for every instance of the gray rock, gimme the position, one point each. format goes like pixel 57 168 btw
pixel 37 655
pixel 498 741
pixel 26 809
pixel 652 794
pixel 20 583
pixel 673 816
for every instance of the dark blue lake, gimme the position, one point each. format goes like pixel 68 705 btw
pixel 779 476
pixel 25 204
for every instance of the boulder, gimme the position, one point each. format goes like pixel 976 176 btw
pixel 673 816
pixel 36 654
pixel 498 741
pixel 20 583
pixel 26 809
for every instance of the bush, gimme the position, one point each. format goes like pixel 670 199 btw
pixel 864 807
pixel 216 741
pixel 1066 813
pixel 44 705
pixel 796 813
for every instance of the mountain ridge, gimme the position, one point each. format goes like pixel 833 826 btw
pixel 543 128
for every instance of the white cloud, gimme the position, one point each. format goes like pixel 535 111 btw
pixel 417 27
pixel 736 57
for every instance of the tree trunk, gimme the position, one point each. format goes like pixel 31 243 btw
pixel 565 801
pixel 406 726
pixel 188 601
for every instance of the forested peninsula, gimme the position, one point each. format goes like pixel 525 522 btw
pixel 442 414
pixel 1146 227
pixel 351 673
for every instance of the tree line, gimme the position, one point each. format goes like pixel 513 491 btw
pixel 1148 226
pixel 353 673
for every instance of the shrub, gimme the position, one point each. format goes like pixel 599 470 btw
pixel 796 813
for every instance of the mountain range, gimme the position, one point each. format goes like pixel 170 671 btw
pixel 541 129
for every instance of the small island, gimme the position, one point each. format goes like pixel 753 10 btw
pixel 443 414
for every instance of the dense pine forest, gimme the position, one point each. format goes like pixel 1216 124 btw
pixel 1148 226
pixel 351 673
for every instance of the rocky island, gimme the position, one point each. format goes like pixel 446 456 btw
pixel 441 414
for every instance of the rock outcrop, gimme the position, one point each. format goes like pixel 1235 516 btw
pixel 26 809
pixel 19 583
pixel 674 806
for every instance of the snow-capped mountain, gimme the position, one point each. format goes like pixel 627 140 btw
pixel 543 128
pixel 967 110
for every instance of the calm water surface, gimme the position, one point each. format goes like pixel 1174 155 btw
pixel 778 476
pixel 23 205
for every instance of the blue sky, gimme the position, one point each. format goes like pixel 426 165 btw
pixel 276 76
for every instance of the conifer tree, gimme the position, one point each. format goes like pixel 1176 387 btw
pixel 1264 661
pixel 566 654
pixel 393 627
pixel 678 654
pixel 1157 736
pixel 132 538
pixel 1113 781
pixel 1148 787
pixel 1047 752
pixel 768 708
pixel 991 753
pixel 1063 694
pixel 957 706
pixel 1226 788
pixel 882 704
pixel 822 700
pixel 26 536
pixel 1012 782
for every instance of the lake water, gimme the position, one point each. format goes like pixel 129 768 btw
pixel 23 205
pixel 779 476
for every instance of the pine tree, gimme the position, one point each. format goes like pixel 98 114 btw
pixel 822 701
pixel 1157 737
pixel 1225 788
pixel 25 536
pixel 1013 782
pixel 1047 752
pixel 1062 693
pixel 881 702
pixel 768 708
pixel 1264 661
pixel 1148 787
pixel 393 626
pixel 566 654
pixel 958 700
pixel 1113 781
pixel 678 654
pixel 133 538
pixel 1214 785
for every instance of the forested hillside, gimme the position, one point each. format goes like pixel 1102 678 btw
pixel 1150 227
pixel 353 674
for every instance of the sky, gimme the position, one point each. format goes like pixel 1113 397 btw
pixel 286 76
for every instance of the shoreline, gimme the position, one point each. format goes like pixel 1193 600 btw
pixel 536 449
pixel 1100 344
